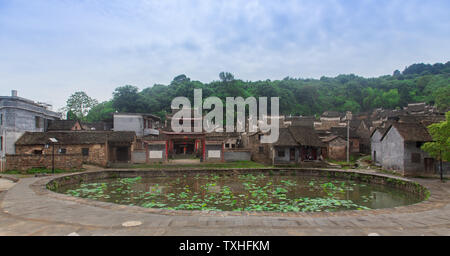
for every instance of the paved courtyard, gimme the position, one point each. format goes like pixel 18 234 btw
pixel 27 209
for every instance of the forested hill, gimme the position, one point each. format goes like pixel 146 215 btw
pixel 417 83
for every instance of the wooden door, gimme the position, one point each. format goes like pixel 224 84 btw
pixel 292 154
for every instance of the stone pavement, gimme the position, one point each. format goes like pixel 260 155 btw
pixel 6 184
pixel 27 210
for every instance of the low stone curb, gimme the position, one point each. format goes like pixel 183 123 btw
pixel 40 187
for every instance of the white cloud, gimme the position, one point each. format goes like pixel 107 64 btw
pixel 50 49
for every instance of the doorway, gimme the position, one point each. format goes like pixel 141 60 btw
pixel 429 165
pixel 292 154
pixel 122 154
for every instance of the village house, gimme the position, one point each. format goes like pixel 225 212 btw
pixel 140 123
pixel 299 121
pixel 19 115
pixel 97 126
pixel 296 144
pixel 330 119
pixel 143 124
pixel 420 108
pixel 260 152
pixel 362 132
pixel 63 125
pixel 354 137
pixel 208 147
pixel 336 147
pixel 375 143
pixel 71 148
pixel 399 149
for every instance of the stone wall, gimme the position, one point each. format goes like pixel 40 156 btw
pixel 232 155
pixel 97 152
pixel 138 156
pixel 23 162
pixel 213 153
pixel 376 147
pixel 261 153
pixel 392 147
pixel 156 153
pixel 337 149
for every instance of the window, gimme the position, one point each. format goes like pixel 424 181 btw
pixel 419 144
pixel 415 158
pixel 37 120
pixel 227 145
pixel 1 143
pixel 280 153
pixel 37 152
pixel 85 151
pixel 62 150
pixel 1 119
pixel 261 149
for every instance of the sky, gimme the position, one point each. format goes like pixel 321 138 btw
pixel 50 49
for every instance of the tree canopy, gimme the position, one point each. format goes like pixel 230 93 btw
pixel 417 83
pixel 79 105
pixel 439 148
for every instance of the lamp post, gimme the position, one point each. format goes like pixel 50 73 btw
pixel 53 141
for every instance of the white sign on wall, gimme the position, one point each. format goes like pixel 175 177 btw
pixel 156 154
pixel 213 153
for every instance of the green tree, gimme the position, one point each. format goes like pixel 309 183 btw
pixel 418 83
pixel 226 77
pixel 79 105
pixel 439 148
pixel 100 112
pixel 71 116
pixel 126 99
pixel 442 98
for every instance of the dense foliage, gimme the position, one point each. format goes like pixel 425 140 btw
pixel 79 105
pixel 417 83
pixel 439 148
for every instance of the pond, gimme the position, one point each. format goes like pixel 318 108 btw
pixel 243 192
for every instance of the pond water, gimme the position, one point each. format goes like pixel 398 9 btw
pixel 246 192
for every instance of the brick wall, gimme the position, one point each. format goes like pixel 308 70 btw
pixel 97 152
pixel 261 156
pixel 337 149
pixel 24 162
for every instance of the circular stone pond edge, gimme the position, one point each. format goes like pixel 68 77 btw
pixel 46 185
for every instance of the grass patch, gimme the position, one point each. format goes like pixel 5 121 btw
pixel 343 163
pixel 389 172
pixel 38 171
pixel 240 164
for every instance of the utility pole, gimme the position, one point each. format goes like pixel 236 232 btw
pixel 440 165
pixel 348 117
pixel 348 141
